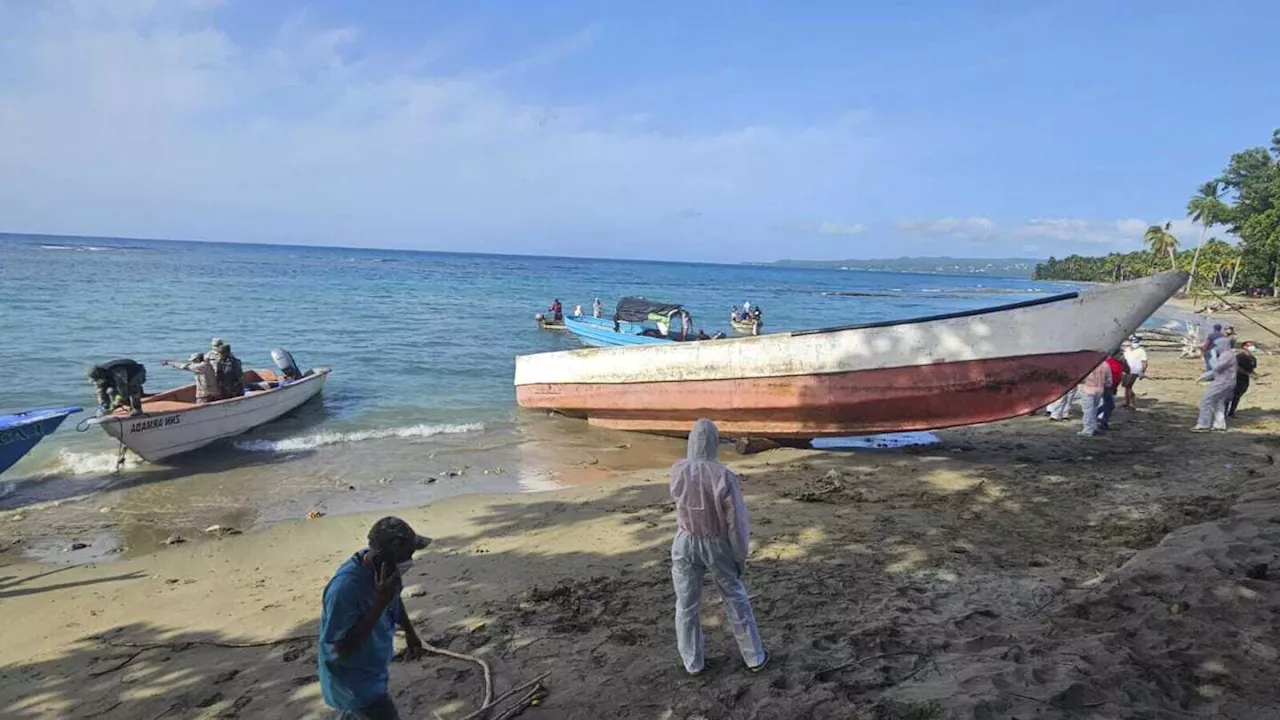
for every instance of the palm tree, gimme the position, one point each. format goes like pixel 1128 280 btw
pixel 1206 208
pixel 1224 271
pixel 1161 241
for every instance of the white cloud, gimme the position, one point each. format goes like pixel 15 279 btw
pixel 1054 235
pixel 835 228
pixel 977 229
pixel 145 118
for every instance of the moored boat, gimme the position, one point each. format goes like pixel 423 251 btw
pixel 921 374
pixel 172 422
pixel 750 326
pixel 22 431
pixel 545 323
pixel 636 321
pixel 747 319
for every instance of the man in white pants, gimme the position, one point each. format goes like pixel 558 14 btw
pixel 712 536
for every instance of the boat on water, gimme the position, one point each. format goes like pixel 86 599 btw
pixel 921 374
pixel 546 323
pixel 636 321
pixel 746 320
pixel 172 422
pixel 746 327
pixel 19 432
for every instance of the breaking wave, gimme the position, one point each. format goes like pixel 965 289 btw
pixel 310 442
pixel 87 463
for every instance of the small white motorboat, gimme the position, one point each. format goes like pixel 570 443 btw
pixel 172 422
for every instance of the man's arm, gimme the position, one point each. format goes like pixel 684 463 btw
pixel 413 645
pixel 385 589
pixel 736 517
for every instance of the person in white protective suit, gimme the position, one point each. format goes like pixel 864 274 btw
pixel 712 536
pixel 1222 385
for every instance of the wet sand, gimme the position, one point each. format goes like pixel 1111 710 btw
pixel 1014 570
pixel 267 481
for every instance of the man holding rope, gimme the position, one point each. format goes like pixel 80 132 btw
pixel 358 622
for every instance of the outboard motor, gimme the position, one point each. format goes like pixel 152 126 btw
pixel 284 361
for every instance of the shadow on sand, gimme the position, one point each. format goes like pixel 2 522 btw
pixel 933 582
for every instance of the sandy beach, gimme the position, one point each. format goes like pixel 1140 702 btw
pixel 1014 570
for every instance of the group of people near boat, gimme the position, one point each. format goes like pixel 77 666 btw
pixel 218 373
pixel 361 607
pixel 1228 372
pixel 746 313
pixel 119 383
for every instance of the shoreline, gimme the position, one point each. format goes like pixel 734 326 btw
pixel 1012 570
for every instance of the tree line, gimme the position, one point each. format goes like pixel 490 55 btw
pixel 1245 199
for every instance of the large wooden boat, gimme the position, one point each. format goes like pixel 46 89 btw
pixel 927 373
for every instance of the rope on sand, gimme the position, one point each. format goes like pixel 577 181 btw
pixel 488 676
pixel 486 707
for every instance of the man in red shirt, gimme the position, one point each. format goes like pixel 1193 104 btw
pixel 1118 368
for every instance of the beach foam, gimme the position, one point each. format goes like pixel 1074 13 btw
pixel 87 463
pixel 309 442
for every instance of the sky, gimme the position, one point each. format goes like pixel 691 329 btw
pixel 723 131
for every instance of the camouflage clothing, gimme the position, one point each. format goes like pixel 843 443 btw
pixel 227 371
pixel 206 379
pixel 229 374
pixel 118 383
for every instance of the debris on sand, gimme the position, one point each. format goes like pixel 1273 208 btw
pixel 174 539
pixel 221 530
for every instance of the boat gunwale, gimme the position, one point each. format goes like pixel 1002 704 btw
pixel 944 316
pixel 318 372
pixel 29 417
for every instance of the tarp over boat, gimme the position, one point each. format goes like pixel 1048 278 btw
pixel 638 310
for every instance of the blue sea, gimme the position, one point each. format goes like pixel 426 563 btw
pixel 422 345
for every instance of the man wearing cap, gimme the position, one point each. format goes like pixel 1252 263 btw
pixel 1206 350
pixel 362 608
pixel 227 369
pixel 1135 356
pixel 206 381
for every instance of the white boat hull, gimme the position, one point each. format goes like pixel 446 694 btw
pixel 163 430
pixel 921 374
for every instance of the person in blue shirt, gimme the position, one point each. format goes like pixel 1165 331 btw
pixel 361 610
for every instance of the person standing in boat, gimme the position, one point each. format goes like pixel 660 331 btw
pixel 228 372
pixel 712 536
pixel 556 310
pixel 206 378
pixel 118 383
pixel 597 308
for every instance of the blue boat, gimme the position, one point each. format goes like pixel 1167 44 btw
pixel 636 321
pixel 21 431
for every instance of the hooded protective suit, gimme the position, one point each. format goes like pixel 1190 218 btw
pixel 712 536
pixel 1222 385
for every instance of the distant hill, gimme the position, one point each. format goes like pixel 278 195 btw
pixel 1004 267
